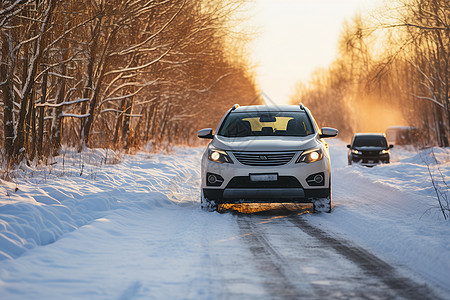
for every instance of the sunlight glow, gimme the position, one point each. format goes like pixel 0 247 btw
pixel 296 37
pixel 268 208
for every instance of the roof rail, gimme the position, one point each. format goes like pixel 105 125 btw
pixel 234 107
pixel 301 106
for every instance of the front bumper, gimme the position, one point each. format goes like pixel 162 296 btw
pixel 292 184
pixel 370 160
pixel 265 195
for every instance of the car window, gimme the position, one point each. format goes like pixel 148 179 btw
pixel 370 141
pixel 241 124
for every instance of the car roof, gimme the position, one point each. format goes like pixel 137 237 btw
pixel 370 134
pixel 257 108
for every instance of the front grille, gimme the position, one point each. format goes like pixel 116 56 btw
pixel 264 158
pixel 370 153
pixel 282 182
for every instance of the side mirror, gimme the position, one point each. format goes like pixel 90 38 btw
pixel 349 146
pixel 391 146
pixel 205 133
pixel 328 132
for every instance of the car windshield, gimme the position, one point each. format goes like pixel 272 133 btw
pixel 370 141
pixel 270 123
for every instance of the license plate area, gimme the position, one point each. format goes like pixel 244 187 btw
pixel 264 177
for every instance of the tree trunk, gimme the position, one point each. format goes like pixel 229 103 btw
pixel 119 122
pixel 90 71
pixel 92 107
pixel 127 121
pixel 40 137
pixel 58 111
pixel 8 95
pixel 442 133
pixel 29 83
pixel 33 131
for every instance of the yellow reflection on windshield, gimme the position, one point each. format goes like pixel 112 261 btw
pixel 280 124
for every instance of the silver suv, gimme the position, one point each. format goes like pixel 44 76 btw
pixel 267 154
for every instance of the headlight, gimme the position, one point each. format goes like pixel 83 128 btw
pixel 384 152
pixel 219 156
pixel 310 156
pixel 354 151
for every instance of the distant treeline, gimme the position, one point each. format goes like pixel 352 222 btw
pixel 116 73
pixel 392 65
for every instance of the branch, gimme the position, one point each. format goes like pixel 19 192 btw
pixel 417 26
pixel 139 67
pixel 62 103
pixel 11 7
pixel 436 188
pixel 120 112
pixel 7 10
pixel 75 115
pixel 429 99
pixel 212 85
pixel 130 49
pixel 61 76
pixel 37 54
pixel 141 86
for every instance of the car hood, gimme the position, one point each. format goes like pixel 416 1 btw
pixel 369 148
pixel 265 143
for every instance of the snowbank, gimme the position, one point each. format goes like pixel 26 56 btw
pixel 43 203
pixel 393 210
pixel 390 210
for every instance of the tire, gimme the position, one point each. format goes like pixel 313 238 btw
pixel 206 204
pixel 323 204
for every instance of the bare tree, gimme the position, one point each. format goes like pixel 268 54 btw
pixel 396 63
pixel 116 73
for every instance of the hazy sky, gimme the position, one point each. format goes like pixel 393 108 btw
pixel 296 37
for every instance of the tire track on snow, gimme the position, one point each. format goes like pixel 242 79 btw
pixel 373 266
pixel 275 269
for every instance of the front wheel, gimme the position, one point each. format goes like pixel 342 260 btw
pixel 207 204
pixel 322 205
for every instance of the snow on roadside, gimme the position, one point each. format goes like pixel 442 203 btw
pixel 392 210
pixel 41 204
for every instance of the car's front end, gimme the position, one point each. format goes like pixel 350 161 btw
pixel 269 167
pixel 370 156
pixel 369 149
pixel 268 171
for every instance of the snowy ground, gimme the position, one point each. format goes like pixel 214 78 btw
pixel 89 228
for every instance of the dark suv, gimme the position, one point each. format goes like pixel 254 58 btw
pixel 369 149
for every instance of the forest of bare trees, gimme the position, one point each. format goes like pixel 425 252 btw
pixel 393 65
pixel 116 73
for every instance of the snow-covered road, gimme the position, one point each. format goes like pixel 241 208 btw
pixel 134 230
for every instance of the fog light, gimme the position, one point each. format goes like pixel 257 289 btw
pixel 318 178
pixel 212 179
